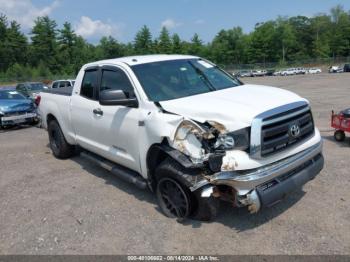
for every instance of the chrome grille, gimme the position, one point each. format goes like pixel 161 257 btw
pixel 281 128
pixel 278 136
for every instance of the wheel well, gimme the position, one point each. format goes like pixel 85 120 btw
pixel 155 156
pixel 49 118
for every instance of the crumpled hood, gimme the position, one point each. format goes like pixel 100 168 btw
pixel 14 105
pixel 234 107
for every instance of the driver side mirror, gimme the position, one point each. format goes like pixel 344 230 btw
pixel 117 98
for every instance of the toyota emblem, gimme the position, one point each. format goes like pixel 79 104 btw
pixel 294 130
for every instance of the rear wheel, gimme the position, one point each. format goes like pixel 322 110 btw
pixel 58 144
pixel 339 135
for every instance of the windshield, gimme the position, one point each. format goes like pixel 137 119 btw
pixel 7 95
pixel 36 86
pixel 174 79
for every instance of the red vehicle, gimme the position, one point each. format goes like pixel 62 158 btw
pixel 341 123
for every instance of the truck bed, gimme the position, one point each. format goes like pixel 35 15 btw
pixel 63 91
pixel 57 102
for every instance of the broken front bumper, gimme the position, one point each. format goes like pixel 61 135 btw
pixel 18 119
pixel 268 185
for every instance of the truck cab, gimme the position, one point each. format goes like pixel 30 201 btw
pixel 188 131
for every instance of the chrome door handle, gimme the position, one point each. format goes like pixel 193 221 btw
pixel 98 112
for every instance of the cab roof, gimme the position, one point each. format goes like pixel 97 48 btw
pixel 144 59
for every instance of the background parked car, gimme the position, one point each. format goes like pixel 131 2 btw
pixel 245 74
pixel 346 68
pixel 15 109
pixel 30 90
pixel 270 72
pixel 300 71
pixel 335 69
pixel 277 73
pixel 62 83
pixel 288 72
pixel 259 72
pixel 314 71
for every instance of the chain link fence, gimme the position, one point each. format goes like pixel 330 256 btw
pixel 307 63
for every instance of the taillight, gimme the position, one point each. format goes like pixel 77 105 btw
pixel 37 100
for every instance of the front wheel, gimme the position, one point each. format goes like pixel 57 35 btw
pixel 58 144
pixel 174 197
pixel 339 135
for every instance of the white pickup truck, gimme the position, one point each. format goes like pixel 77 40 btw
pixel 187 130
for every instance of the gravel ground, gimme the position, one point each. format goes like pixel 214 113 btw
pixel 48 206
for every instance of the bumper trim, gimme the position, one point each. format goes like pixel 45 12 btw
pixel 245 181
pixel 18 117
pixel 270 196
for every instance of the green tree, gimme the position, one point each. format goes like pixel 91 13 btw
pixel 285 38
pixel 304 37
pixel 339 42
pixel 42 71
pixel 321 31
pixel 14 46
pixel 14 72
pixel 262 47
pixel 3 32
pixel 44 47
pixel 164 42
pixel 196 46
pixel 336 13
pixel 143 41
pixel 229 47
pixel 177 46
pixel 129 49
pixel 66 46
pixel 110 48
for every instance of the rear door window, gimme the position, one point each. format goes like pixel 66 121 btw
pixel 89 84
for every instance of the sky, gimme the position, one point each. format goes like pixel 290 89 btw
pixel 123 18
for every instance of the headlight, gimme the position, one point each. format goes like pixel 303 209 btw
pixel 238 140
pixel 200 143
pixel 224 142
pixel 188 141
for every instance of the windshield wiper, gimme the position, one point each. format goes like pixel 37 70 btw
pixel 206 79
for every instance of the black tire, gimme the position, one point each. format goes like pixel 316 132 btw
pixel 172 174
pixel 207 208
pixel 339 135
pixel 173 199
pixel 58 144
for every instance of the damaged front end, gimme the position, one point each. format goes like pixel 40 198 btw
pixel 211 146
pixel 208 146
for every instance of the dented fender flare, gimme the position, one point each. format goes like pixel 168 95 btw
pixel 179 157
pixel 159 152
